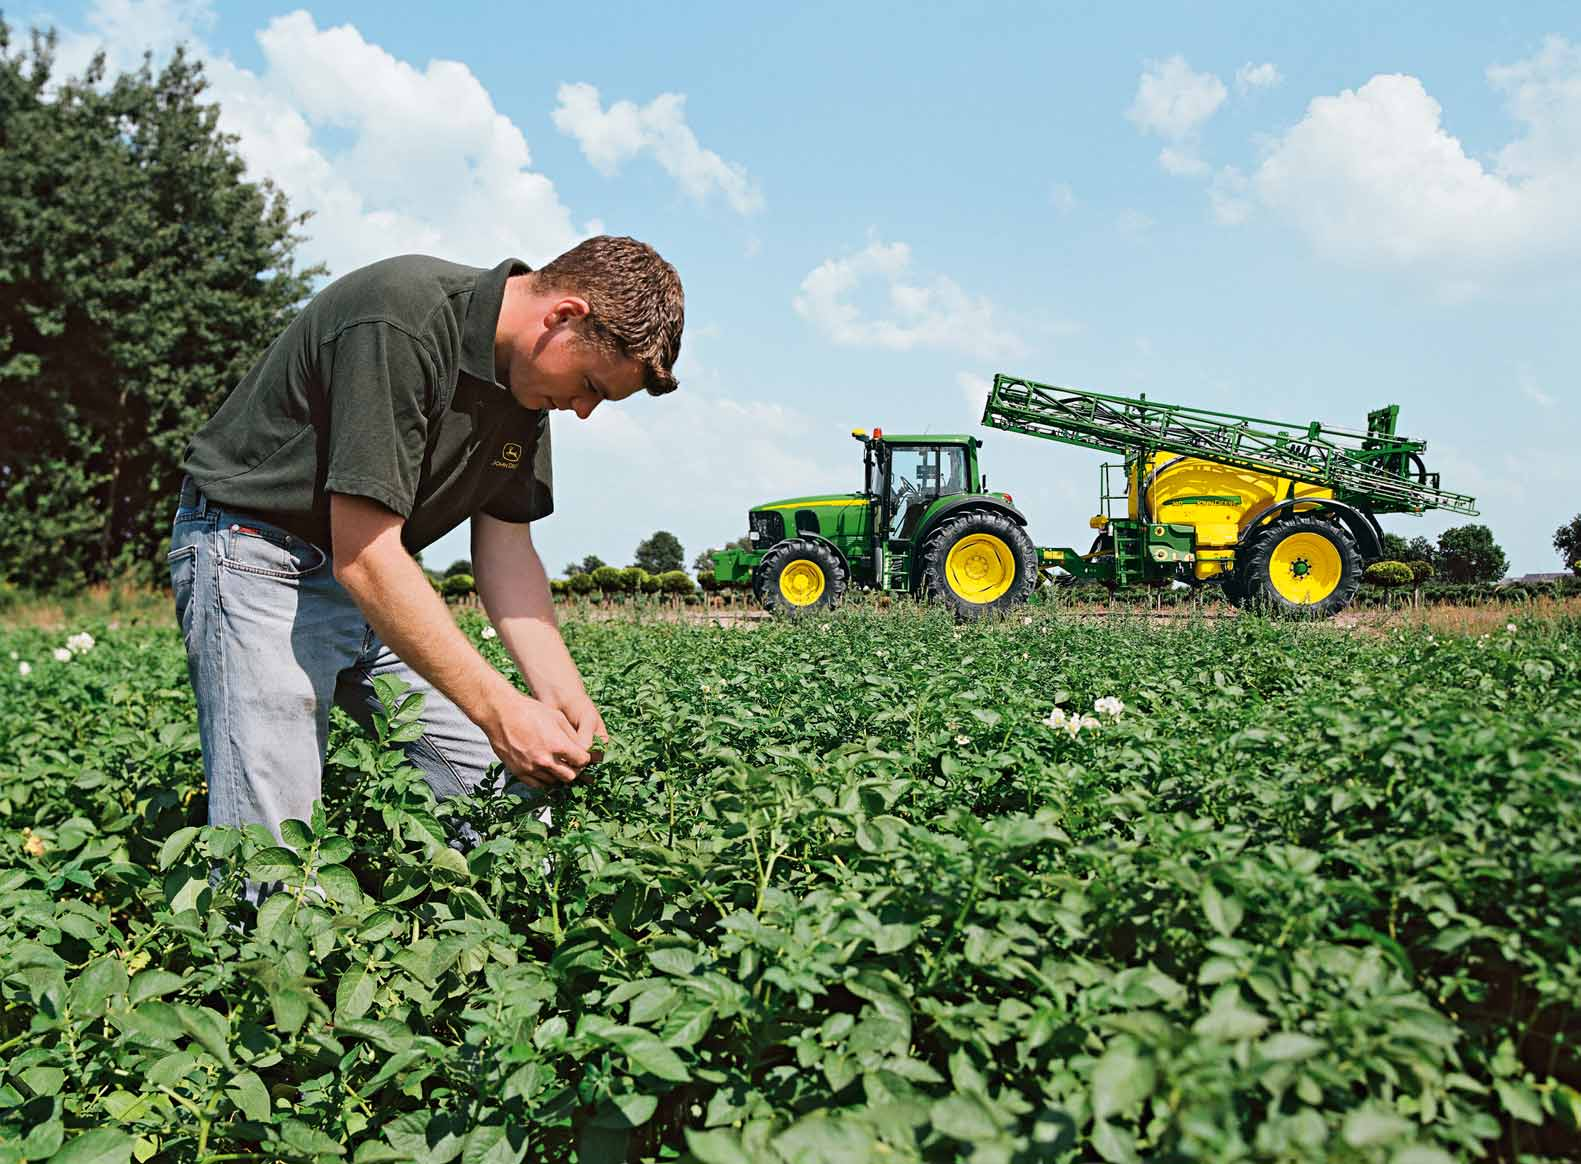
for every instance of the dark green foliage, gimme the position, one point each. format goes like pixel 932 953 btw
pixel 1388 574
pixel 660 553
pixel 457 585
pixel 582 584
pixel 1311 897
pixel 459 566
pixel 610 579
pixel 1468 553
pixel 140 274
pixel 1567 541
pixel 586 566
pixel 1421 570
pixel 676 582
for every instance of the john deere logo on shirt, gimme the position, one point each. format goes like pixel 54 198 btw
pixel 510 456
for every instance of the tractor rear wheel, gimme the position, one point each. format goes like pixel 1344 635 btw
pixel 979 563
pixel 799 575
pixel 1306 566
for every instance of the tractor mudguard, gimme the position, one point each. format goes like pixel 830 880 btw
pixel 845 563
pixel 1362 525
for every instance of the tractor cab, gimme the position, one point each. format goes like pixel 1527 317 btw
pixel 905 475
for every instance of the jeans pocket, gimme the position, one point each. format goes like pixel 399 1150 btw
pixel 183 565
pixel 271 552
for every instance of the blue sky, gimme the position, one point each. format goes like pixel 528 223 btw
pixel 1297 212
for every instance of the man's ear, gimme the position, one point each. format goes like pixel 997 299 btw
pixel 564 310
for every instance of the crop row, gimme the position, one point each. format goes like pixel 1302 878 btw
pixel 843 889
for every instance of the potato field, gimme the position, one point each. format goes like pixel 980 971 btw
pixel 866 887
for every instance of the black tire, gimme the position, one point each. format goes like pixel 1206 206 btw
pixel 940 584
pixel 782 579
pixel 1239 587
pixel 1274 568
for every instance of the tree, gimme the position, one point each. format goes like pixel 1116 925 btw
pixel 1468 553
pixel 1567 540
pixel 661 553
pixel 1418 549
pixel 459 566
pixel 140 276
pixel 586 566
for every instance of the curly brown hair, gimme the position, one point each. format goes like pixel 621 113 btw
pixel 635 304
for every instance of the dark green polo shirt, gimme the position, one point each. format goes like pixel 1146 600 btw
pixel 382 387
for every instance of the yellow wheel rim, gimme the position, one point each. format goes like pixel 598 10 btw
pixel 1305 568
pixel 801 583
pixel 980 568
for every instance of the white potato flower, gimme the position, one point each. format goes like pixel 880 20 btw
pixel 62 655
pixel 24 668
pixel 489 632
pixel 78 643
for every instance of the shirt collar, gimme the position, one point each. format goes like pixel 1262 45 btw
pixel 483 318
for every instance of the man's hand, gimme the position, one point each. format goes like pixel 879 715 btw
pixel 587 723
pixel 536 742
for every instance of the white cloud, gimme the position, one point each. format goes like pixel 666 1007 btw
pixel 1134 223
pixel 932 313
pixel 1373 178
pixel 1062 197
pixel 611 136
pixel 1532 392
pixel 388 156
pixel 1174 102
pixel 1181 163
pixel 1227 196
pixel 1250 76
pixel 974 390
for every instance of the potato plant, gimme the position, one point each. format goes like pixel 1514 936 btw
pixel 870 886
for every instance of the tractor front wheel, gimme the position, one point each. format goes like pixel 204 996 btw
pixel 979 563
pixel 799 575
pixel 1305 566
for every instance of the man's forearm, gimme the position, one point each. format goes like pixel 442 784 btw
pixel 413 621
pixel 515 592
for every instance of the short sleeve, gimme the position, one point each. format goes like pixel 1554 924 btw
pixel 379 381
pixel 528 497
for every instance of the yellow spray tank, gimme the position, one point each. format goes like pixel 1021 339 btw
pixel 1218 501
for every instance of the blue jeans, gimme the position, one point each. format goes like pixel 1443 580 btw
pixel 272 641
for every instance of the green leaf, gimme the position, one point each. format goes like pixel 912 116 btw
pixel 676 960
pixel 103 979
pixel 296 834
pixel 1368 1126
pixel 965 1116
pixel 340 883
pixel 629 1110
pixel 275 864
pixel 1519 1100
pixel 492 1145
pixel 247 1092
pixel 1121 1080
pixel 100 1146
pixel 1288 1046
pixel 354 993
pixel 715 1147
pixel 175 845
pixel 648 1054
pixel 1224 913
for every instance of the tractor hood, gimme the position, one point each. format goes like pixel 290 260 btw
pixel 818 501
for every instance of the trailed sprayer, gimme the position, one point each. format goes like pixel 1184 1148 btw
pixel 1277 513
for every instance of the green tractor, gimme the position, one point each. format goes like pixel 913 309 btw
pixel 924 524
